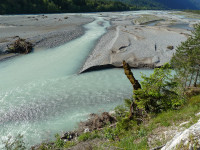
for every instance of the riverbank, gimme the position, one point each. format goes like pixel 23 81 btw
pixel 167 130
pixel 44 31
pixel 144 39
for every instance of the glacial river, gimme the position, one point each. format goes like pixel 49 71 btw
pixel 41 94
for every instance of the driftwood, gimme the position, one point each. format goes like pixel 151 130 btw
pixel 20 46
pixel 134 110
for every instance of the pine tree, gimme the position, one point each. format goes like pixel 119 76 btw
pixel 186 60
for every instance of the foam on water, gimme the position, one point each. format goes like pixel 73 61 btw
pixel 41 94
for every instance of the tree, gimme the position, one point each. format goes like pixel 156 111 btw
pixel 158 92
pixel 186 60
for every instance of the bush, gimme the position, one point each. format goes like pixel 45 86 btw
pixel 59 143
pixel 158 92
pixel 122 111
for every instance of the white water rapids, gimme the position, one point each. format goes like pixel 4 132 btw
pixel 41 93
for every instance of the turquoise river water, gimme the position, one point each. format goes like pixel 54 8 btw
pixel 41 94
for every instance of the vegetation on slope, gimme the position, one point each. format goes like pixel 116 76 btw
pixel 58 6
pixel 144 4
pixel 164 4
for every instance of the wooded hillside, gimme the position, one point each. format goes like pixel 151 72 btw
pixel 57 6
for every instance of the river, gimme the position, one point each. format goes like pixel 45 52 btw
pixel 41 94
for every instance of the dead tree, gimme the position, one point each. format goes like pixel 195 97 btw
pixel 134 110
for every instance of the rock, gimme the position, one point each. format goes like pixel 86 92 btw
pixel 20 46
pixel 184 123
pixel 96 122
pixel 86 130
pixel 68 136
pixel 170 47
pixel 197 114
pixel 66 17
pixel 188 139
pixel 112 113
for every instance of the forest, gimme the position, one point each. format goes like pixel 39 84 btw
pixel 60 6
pixel 65 6
pixel 164 4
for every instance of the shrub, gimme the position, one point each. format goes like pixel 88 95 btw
pixel 158 92
pixel 88 136
pixel 59 143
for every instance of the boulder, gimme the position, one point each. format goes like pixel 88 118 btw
pixel 68 136
pixel 188 139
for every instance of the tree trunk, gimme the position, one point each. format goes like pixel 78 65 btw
pixel 136 85
pixel 186 80
pixel 191 79
pixel 196 78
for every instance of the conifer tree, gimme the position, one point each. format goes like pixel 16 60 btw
pixel 186 60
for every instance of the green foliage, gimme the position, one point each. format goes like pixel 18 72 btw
pixel 122 111
pixel 125 124
pixel 56 6
pixel 109 133
pixel 165 4
pixel 186 60
pixel 144 4
pixel 59 143
pixel 69 144
pixel 158 91
pixel 16 143
pixel 142 132
pixel 128 143
pixel 88 136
